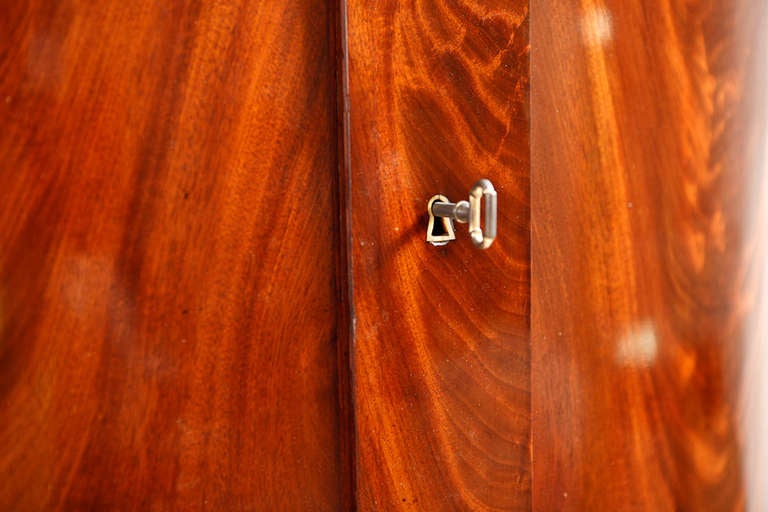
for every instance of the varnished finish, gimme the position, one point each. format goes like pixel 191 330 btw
pixel 438 99
pixel 649 232
pixel 167 302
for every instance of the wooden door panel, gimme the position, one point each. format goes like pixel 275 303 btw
pixel 167 298
pixel 438 96
pixel 648 173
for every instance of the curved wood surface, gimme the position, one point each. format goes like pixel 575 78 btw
pixel 167 298
pixel 438 95
pixel 649 234
pixel 170 271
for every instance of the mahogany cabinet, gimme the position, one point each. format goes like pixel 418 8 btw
pixel 216 294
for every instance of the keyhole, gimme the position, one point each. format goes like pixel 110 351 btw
pixel 438 228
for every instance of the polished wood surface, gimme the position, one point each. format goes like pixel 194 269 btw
pixel 648 243
pixel 167 297
pixel 215 291
pixel 438 95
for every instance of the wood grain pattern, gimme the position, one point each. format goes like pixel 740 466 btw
pixel 438 94
pixel 648 151
pixel 167 301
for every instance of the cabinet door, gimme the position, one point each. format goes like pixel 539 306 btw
pixel 167 293
pixel 438 98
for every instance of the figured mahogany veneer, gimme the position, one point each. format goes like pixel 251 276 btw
pixel 167 301
pixel 648 244
pixel 215 291
pixel 438 95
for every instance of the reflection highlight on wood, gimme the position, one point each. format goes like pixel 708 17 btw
pixel 167 312
pixel 438 99
pixel 648 136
